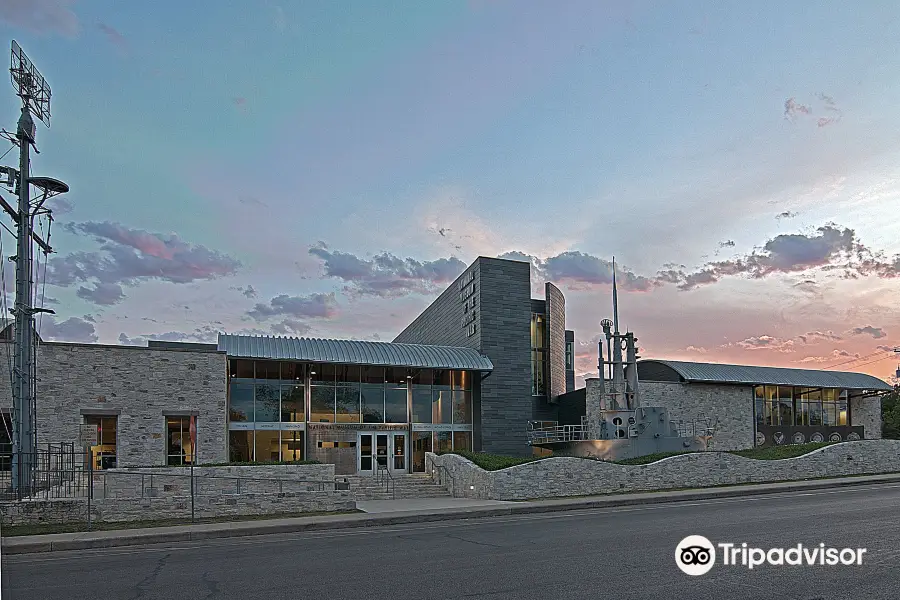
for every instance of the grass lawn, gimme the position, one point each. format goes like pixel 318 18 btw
pixel 17 530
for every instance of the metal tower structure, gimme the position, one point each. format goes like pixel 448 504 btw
pixel 34 91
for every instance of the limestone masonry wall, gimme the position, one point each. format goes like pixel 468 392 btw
pixel 558 477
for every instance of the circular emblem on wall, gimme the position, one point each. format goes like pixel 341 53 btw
pixel 778 438
pixel 760 438
pixel 835 437
pixel 853 437
pixel 798 438
pixel 817 437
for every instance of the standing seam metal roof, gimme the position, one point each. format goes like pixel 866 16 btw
pixel 354 352
pixel 753 375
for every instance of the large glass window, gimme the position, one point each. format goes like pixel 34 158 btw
pixel 842 414
pixel 443 441
pixel 814 401
pixel 462 441
pixel 242 369
pixel 268 403
pixel 347 403
pixel 291 445
pixel 421 404
pixel 293 403
pixel 441 405
pixel 462 407
pixel 268 369
pixel 570 356
pixel 321 404
pixel 395 405
pixel 785 407
pixel 372 402
pixel 759 397
pixel 240 400
pixel 267 446
pixel 103 452
pixel 240 446
pixel 179 446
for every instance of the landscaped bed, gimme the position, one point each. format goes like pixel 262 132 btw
pixel 495 462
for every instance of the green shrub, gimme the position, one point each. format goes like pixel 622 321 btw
pixel 495 462
pixel 648 458
pixel 779 452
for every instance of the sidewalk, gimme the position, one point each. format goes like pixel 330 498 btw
pixel 405 513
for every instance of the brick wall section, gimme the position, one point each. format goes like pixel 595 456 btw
pixel 141 383
pixel 503 302
pixel 730 406
pixel 559 477
pixel 867 412
pixel 343 459
pixel 556 338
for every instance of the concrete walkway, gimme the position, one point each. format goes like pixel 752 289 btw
pixel 205 531
pixel 424 504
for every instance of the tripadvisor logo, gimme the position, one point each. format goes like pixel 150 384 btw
pixel 696 555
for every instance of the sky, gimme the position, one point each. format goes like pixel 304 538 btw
pixel 325 169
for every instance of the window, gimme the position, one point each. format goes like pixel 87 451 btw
pixel 103 452
pixel 293 402
pixel 179 441
pixel 267 446
pixel 267 407
pixel 462 440
pixel 395 405
pixel 240 401
pixel 371 398
pixel 240 446
pixel 462 407
pixel 321 404
pixel 570 356
pixel 347 403
pixel 538 358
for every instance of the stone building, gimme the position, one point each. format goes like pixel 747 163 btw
pixel 751 405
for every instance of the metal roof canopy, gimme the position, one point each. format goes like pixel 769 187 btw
pixel 753 375
pixel 354 352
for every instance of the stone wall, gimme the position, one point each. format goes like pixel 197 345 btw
pixel 233 479
pixel 137 384
pixel 730 406
pixel 31 512
pixel 867 412
pixel 559 477
pixel 165 493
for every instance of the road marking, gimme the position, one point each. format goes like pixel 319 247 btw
pixel 267 539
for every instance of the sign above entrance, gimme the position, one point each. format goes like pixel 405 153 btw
pixel 357 426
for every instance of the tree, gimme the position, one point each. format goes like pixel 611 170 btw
pixel 890 415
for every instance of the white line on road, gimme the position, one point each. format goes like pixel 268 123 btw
pixel 267 539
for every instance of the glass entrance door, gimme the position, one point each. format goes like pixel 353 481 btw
pixel 386 448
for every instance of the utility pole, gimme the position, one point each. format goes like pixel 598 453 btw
pixel 31 87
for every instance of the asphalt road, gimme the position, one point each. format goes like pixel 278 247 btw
pixel 621 554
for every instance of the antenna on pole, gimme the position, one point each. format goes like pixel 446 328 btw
pixel 34 91
pixel 615 298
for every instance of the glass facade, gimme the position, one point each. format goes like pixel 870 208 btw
pixel 798 406
pixel 538 354
pixel 179 444
pixel 270 405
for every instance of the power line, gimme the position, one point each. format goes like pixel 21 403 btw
pixel 891 355
pixel 858 358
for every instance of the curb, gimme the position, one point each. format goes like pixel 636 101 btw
pixel 207 531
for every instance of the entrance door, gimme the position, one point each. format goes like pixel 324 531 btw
pixel 381 448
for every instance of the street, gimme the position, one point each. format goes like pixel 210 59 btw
pixel 622 553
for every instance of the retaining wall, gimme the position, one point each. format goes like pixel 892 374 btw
pixel 559 477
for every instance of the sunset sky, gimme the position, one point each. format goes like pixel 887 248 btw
pixel 326 168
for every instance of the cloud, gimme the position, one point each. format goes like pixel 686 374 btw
pixel 875 332
pixel 73 329
pixel 835 354
pixel 727 244
pixel 105 294
pixel 819 335
pixel 792 109
pixel 785 215
pixel 59 206
pixel 204 335
pixel 321 306
pixel 114 36
pixel 248 291
pixel 764 342
pixel 385 275
pixel 697 349
pixel 885 348
pixel 785 253
pixel 41 16
pixel 128 256
pixel 291 327
pixel 578 269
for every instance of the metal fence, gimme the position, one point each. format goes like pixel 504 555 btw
pixel 60 471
